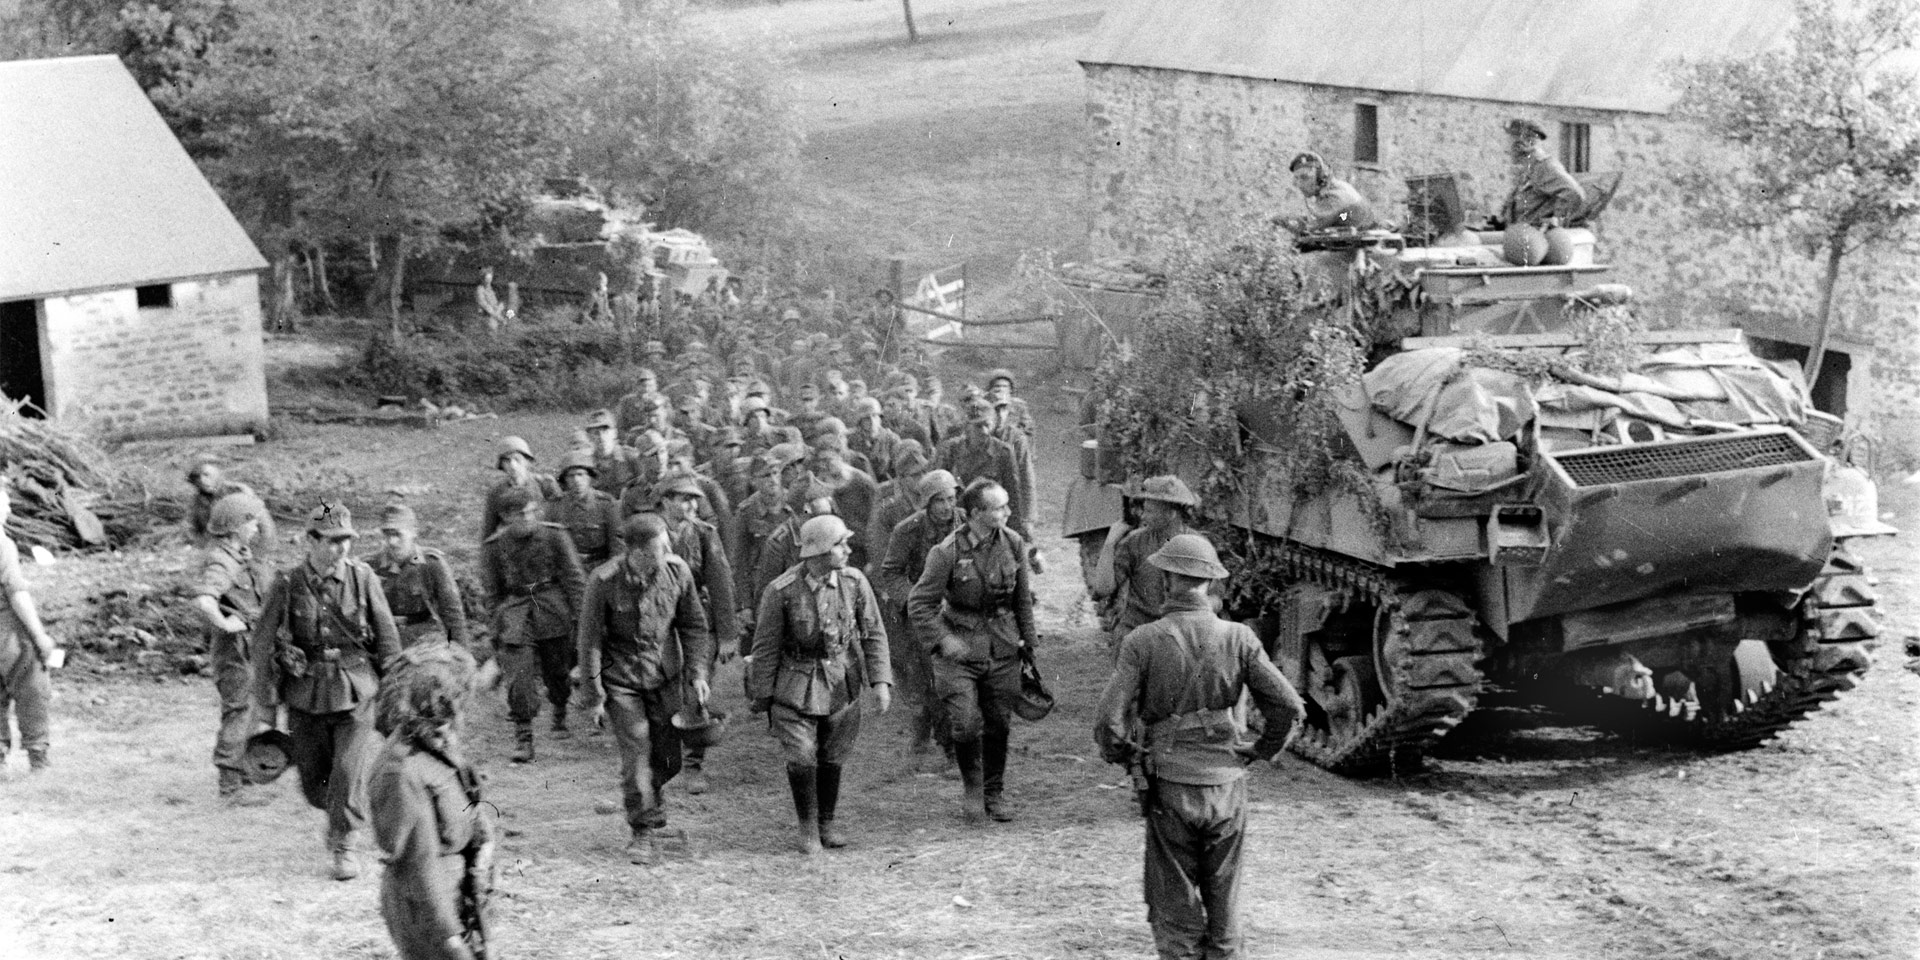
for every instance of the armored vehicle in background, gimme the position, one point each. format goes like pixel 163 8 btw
pixel 1665 546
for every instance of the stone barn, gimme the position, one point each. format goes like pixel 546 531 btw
pixel 1195 108
pixel 129 295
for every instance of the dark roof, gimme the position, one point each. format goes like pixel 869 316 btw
pixel 95 192
pixel 1597 54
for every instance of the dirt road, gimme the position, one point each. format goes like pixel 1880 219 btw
pixel 1518 841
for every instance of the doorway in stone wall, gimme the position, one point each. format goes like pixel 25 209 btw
pixel 20 370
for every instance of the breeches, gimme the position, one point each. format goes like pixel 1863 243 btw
pixel 334 753
pixel 1192 877
pixel 547 662
pixel 807 741
pixel 977 695
pixel 642 722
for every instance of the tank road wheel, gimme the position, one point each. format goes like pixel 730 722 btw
pixel 1387 672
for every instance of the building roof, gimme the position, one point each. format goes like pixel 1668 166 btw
pixel 95 191
pixel 1596 54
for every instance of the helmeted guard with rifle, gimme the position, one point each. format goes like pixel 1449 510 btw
pixel 1182 676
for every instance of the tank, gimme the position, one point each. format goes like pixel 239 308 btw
pixel 1664 548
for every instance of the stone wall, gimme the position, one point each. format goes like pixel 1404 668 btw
pixel 1174 153
pixel 194 368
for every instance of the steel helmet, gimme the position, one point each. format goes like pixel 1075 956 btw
pixel 1189 554
pixel 579 460
pixel 267 755
pixel 510 446
pixel 1168 489
pixel 935 483
pixel 232 511
pixel 996 375
pixel 821 534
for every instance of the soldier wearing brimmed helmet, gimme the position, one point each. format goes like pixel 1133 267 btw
pixel 818 644
pixel 678 497
pixel 533 582
pixel 514 458
pixel 209 486
pixel 1136 586
pixel 1181 677
pixel 977 453
pixel 936 517
pixel 228 593
pixel 644 651
pixel 588 513
pixel 418 582
pixel 323 639
pixel 974 603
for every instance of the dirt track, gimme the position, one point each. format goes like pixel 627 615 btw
pixel 1519 841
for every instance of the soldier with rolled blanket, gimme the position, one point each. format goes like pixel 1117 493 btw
pixel 818 644
pixel 908 545
pixel 418 581
pixel 644 646
pixel 228 594
pixel 324 637
pixel 1182 676
pixel 429 811
pixel 533 583
pixel 699 544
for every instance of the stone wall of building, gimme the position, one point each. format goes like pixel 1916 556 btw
pixel 194 368
pixel 1176 153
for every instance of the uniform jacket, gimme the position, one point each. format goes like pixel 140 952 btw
pixel 698 543
pixel 233 578
pixel 200 513
pixel 339 621
pixel 1140 587
pixel 1543 188
pixel 891 506
pixel 779 551
pixel 426 822
pixel 908 545
pixel 420 588
pixel 877 447
pixel 978 591
pixel 543 487
pixel 592 522
pixel 970 457
pixel 853 498
pixel 818 641
pixel 640 628
pixel 907 428
pixel 615 469
pixel 12 580
pixel 1182 676
pixel 533 583
pixel 759 515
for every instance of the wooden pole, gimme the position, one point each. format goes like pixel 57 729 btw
pixel 913 36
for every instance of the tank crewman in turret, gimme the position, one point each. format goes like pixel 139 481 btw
pixel 974 602
pixel 643 645
pixel 615 464
pixel 208 487
pixel 1544 193
pixel 1139 587
pixel 228 593
pixel 590 517
pixel 977 453
pixel 1182 677
pixel 869 437
pixel 533 582
pixel 699 543
pixel 820 642
pixel 630 413
pixel 324 637
pixel 908 545
pixel 418 581
pixel 1332 203
pixel 515 459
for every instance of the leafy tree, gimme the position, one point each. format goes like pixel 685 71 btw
pixel 1829 131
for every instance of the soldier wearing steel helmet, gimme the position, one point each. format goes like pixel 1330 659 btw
pixel 907 547
pixel 1181 678
pixel 819 642
pixel 587 512
pixel 228 594
pixel 514 458
pixel 418 581
pixel 678 497
pixel 870 437
pixel 807 496
pixel 644 646
pixel 1137 587
pixel 324 637
pixel 209 486
pixel 533 582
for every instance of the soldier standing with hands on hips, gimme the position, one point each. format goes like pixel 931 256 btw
pixel 1182 676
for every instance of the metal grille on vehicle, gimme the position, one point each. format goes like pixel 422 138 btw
pixel 1599 466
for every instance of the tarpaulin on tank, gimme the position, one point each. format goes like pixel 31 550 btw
pixel 1431 387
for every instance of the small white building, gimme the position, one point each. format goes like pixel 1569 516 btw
pixel 129 295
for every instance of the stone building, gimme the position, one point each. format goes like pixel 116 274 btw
pixel 1196 106
pixel 129 295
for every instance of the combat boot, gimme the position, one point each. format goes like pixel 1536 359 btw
pixel 829 797
pixel 641 850
pixel 804 782
pixel 560 729
pixel 236 792
pixel 993 776
pixel 696 776
pixel 37 759
pixel 346 865
pixel 523 738
pixel 973 803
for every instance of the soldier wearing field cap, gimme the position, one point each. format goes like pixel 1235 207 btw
pixel 1139 587
pixel 977 453
pixel 908 544
pixel 533 582
pixel 514 458
pixel 614 464
pixel 1544 193
pixel 819 644
pixel 1182 676
pixel 631 412
pixel 762 512
pixel 418 582
pixel 228 593
pixel 894 501
pixel 678 496
pixel 590 516
pixel 324 637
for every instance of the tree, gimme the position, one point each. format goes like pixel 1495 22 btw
pixel 1828 129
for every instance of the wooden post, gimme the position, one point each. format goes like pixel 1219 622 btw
pixel 897 278
pixel 913 36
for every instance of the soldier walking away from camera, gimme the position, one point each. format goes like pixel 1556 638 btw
pixel 643 646
pixel 908 545
pixel 819 641
pixel 588 513
pixel 1183 676
pixel 430 816
pixel 228 594
pixel 515 459
pixel 418 581
pixel 324 637
pixel 208 487
pixel 28 654
pixel 533 582
pixel 974 603
pixel 1139 588
pixel 699 544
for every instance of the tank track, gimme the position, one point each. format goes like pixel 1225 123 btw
pixel 1427 666
pixel 1825 657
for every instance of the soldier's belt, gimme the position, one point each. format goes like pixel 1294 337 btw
pixel 529 589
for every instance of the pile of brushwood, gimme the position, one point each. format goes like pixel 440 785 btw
pixel 66 492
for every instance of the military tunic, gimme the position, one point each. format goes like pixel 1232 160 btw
pixel 534 583
pixel 24 678
pixel 423 597
pixel 970 457
pixel 908 545
pixel 200 514
pixel 544 488
pixel 818 643
pixel 236 582
pixel 593 522
pixel 614 469
pixel 1140 587
pixel 979 592
pixel 432 825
